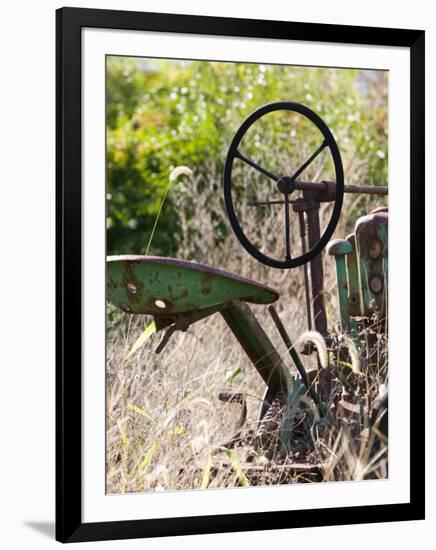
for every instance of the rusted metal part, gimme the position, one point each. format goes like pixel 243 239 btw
pixel 316 274
pixel 267 434
pixel 288 472
pixel 354 299
pixel 231 397
pixel 265 202
pixel 303 205
pixel 326 190
pixel 328 193
pixel 292 466
pixel 366 189
pixel 288 255
pixel 165 286
pixel 309 205
pixel 306 269
pixel 339 248
pixel 258 347
pixel 298 205
pixel 239 398
pixel 182 321
pixel 372 252
pixel 325 379
pixel 166 337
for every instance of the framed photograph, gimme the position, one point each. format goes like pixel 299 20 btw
pixel 240 255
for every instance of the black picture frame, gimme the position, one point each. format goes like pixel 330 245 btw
pixel 69 22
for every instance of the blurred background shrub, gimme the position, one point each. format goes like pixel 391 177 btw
pixel 163 113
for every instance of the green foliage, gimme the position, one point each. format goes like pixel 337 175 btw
pixel 161 114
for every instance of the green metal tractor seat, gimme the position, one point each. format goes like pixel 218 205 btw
pixel 165 287
pixel 179 293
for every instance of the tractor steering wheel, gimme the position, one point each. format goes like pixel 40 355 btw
pixel 285 185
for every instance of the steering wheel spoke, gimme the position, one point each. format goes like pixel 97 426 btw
pixel 256 166
pixel 309 160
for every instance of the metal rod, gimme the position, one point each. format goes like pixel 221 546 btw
pixel 366 189
pixel 316 273
pixel 264 203
pixel 348 188
pixel 256 166
pixel 306 272
pixel 293 353
pixel 312 186
pixel 287 228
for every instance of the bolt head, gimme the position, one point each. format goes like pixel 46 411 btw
pixel 376 284
pixel 375 248
pixel 285 185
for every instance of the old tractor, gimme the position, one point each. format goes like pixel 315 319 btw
pixel 178 293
